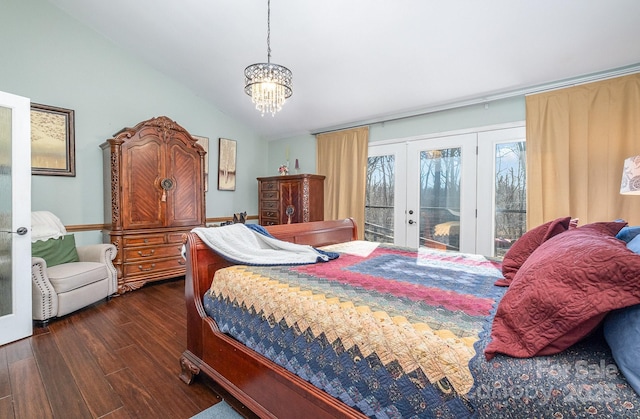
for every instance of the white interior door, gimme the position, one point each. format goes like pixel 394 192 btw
pixel 441 193
pixel 15 218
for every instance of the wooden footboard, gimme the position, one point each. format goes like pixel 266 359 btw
pixel 264 387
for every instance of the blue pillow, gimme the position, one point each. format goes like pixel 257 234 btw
pixel 634 244
pixel 628 233
pixel 622 332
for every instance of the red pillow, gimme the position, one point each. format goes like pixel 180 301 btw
pixel 563 291
pixel 525 245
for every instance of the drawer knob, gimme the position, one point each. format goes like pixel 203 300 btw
pixel 148 254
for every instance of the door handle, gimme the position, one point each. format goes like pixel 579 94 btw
pixel 21 231
pixel 411 221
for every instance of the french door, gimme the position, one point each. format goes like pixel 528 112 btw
pixel 441 193
pixel 15 218
pixel 463 192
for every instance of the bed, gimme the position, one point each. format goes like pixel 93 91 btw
pixel 451 376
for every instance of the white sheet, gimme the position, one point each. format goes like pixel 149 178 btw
pixel 240 244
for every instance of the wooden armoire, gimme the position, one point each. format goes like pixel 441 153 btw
pixel 154 192
pixel 290 199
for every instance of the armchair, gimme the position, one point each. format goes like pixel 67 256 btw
pixel 66 287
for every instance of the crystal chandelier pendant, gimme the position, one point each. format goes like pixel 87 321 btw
pixel 268 84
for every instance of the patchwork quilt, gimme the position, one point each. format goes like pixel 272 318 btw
pixel 392 332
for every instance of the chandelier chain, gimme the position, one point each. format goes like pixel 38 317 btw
pixel 268 31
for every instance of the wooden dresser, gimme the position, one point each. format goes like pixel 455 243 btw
pixel 290 199
pixel 154 192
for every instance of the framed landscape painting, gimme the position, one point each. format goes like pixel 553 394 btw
pixel 227 165
pixel 52 141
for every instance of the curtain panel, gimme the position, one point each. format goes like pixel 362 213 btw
pixel 342 157
pixel 577 140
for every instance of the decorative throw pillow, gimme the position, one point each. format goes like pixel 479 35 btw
pixel 634 244
pixel 525 245
pixel 628 233
pixel 56 251
pixel 622 332
pixel 564 290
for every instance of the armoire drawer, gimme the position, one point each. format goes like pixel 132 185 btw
pixel 155 252
pixel 150 267
pixel 146 240
pixel 176 236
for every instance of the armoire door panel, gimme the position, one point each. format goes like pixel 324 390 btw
pixel 181 207
pixel 141 191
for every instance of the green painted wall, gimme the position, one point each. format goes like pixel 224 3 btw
pixel 52 59
pixel 497 112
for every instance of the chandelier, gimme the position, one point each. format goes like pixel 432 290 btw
pixel 269 85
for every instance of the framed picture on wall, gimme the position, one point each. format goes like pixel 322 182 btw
pixel 227 165
pixel 204 142
pixel 53 149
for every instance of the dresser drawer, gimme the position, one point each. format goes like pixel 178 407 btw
pixel 268 215
pixel 270 205
pixel 269 186
pixel 147 239
pixel 150 267
pixel 141 253
pixel 269 195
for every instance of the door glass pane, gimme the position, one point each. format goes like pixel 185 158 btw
pixel 379 205
pixel 510 193
pixel 440 198
pixel 6 292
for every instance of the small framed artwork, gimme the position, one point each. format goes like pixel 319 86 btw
pixel 204 142
pixel 227 165
pixel 53 149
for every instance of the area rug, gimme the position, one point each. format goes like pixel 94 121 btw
pixel 219 410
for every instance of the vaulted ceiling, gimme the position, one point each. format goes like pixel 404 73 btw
pixel 366 60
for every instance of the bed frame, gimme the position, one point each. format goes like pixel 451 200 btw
pixel 267 389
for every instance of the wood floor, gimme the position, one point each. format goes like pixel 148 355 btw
pixel 115 359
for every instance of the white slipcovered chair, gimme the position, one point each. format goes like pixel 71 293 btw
pixel 64 288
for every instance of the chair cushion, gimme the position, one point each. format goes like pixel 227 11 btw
pixel 56 251
pixel 69 276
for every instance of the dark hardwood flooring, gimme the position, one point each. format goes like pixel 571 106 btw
pixel 114 359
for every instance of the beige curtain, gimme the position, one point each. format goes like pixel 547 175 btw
pixel 577 140
pixel 342 158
